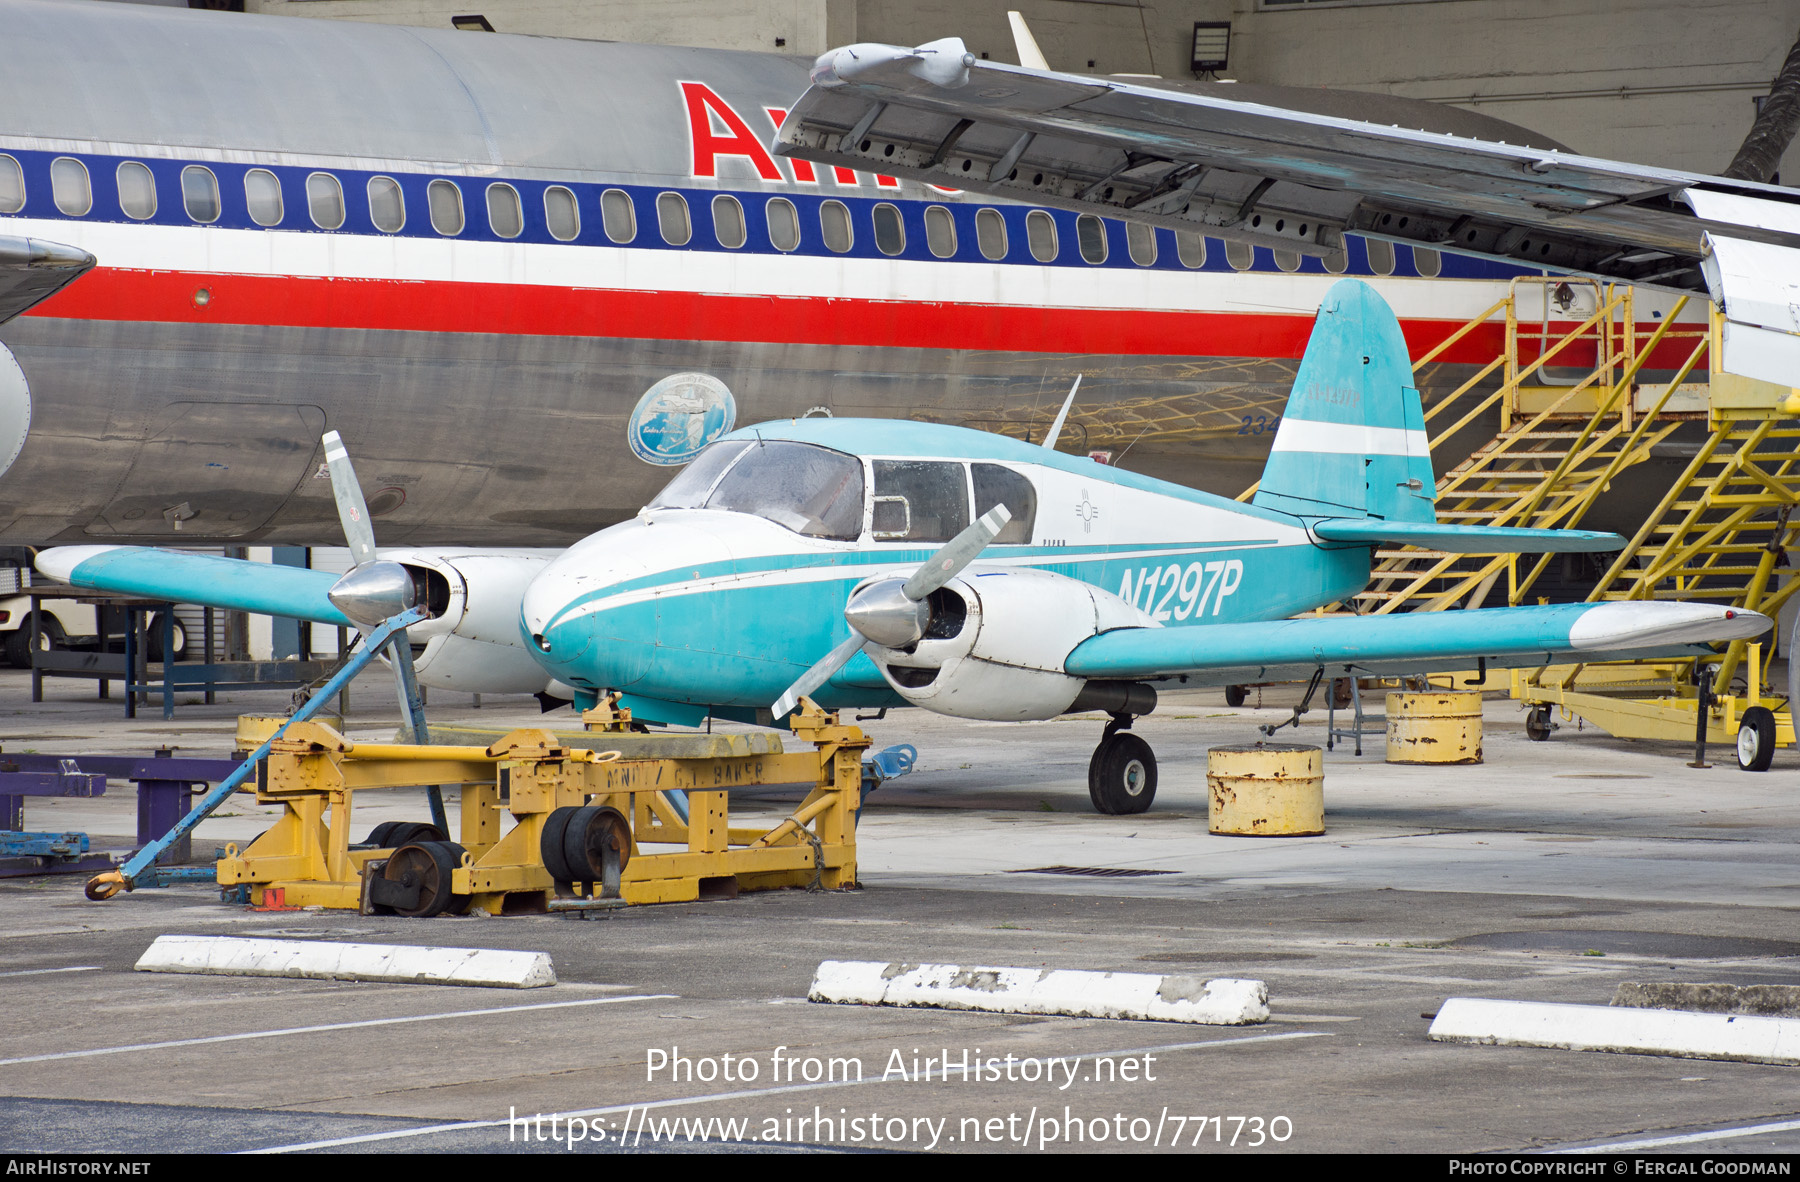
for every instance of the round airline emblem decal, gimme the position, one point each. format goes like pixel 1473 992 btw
pixel 680 415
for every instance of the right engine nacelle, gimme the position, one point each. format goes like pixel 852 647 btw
pixel 997 641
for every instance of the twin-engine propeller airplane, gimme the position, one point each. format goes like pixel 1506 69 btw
pixel 873 564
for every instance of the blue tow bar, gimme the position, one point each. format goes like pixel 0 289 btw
pixel 105 886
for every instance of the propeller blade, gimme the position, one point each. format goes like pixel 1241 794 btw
pixel 353 512
pixel 957 553
pixel 817 676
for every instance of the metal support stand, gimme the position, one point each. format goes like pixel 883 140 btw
pixel 412 707
pixel 1361 723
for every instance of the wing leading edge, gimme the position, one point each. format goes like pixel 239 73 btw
pixel 205 579
pixel 1298 180
pixel 1422 642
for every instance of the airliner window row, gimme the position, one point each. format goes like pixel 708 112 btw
pixel 528 211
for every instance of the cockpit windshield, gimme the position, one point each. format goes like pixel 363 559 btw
pixel 811 490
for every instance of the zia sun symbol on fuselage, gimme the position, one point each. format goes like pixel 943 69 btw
pixel 1088 512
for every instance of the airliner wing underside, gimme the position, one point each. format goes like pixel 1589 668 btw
pixel 32 270
pixel 1297 181
pixel 1422 642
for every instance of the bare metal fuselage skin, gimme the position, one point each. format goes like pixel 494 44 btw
pixel 493 371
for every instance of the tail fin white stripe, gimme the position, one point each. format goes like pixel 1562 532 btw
pixel 1350 439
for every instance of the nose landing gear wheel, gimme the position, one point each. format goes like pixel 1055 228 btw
pixel 1756 739
pixel 418 880
pixel 1122 775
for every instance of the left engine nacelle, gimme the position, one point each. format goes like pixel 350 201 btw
pixel 996 642
pixel 471 642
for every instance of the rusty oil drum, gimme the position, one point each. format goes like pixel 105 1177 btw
pixel 1434 727
pixel 1265 790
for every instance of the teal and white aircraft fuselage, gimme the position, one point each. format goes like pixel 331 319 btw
pixel 878 563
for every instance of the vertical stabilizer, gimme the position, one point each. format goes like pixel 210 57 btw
pixel 1352 441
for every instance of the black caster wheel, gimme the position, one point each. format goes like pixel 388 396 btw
pixel 1122 775
pixel 1538 725
pixel 1756 739
pixel 1236 695
pixel 418 878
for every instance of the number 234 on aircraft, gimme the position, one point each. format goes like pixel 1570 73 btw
pixel 874 564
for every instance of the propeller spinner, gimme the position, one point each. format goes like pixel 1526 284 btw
pixel 893 613
pixel 373 589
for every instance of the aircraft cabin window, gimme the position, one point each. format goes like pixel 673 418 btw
pixel 995 485
pixel 672 219
pixel 834 226
pixel 446 204
pixel 200 193
pixel 811 490
pixel 1190 248
pixel 12 185
pixel 890 232
pixel 1091 232
pixel 728 221
pixel 325 201
pixel 1381 256
pixel 262 195
pixel 1338 261
pixel 387 205
pixel 1141 241
pixel 990 234
pixel 506 218
pixel 784 223
pixel 137 190
pixel 1287 260
pixel 1241 255
pixel 940 231
pixel 618 215
pixel 1040 232
pixel 561 213
pixel 689 490
pixel 1430 263
pixel 70 187
pixel 919 500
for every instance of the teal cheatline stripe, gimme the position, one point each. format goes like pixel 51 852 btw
pixel 1468 539
pixel 211 581
pixel 1332 640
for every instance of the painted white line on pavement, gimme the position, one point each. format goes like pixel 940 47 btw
pixel 194 1042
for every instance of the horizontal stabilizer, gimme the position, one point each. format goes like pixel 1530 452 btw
pixel 1419 642
pixel 206 579
pixel 1467 539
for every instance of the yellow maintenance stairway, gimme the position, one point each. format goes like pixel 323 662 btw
pixel 1575 411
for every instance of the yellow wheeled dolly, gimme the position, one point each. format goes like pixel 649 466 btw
pixel 591 828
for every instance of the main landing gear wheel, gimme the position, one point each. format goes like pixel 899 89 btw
pixel 1756 739
pixel 588 844
pixel 1538 725
pixel 424 868
pixel 1122 774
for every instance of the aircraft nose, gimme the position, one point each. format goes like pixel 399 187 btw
pixel 591 615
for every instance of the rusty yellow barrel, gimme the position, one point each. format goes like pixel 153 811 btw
pixel 253 730
pixel 1265 790
pixel 1434 727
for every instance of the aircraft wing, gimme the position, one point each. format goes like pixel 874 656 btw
pixel 205 579
pixel 32 270
pixel 1297 181
pixel 1421 642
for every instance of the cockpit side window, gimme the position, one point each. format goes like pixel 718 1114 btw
pixel 689 489
pixel 995 485
pixel 811 490
pixel 920 500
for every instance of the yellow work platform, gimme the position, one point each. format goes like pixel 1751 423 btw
pixel 591 827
